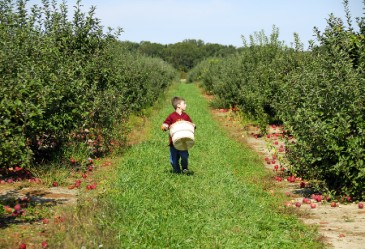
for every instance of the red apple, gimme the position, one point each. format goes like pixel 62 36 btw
pixel 333 204
pixel 77 183
pixel 59 219
pixel 17 207
pixel 291 179
pixel 90 187
pixel 302 184
pixel 71 186
pixel 37 180
pixel 313 205
pixel 55 184
pixel 45 221
pixel 278 178
pixel 22 246
pixel 288 204
pixel 360 205
pixel 8 209
pixel 44 244
pixel 298 204
pixel 318 198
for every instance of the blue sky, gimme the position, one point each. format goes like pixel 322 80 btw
pixel 216 21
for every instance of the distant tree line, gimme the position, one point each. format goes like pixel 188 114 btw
pixel 183 55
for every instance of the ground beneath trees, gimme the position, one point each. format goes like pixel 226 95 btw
pixel 340 227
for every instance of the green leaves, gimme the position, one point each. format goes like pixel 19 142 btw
pixel 317 94
pixel 60 76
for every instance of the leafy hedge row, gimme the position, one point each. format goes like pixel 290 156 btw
pixel 318 95
pixel 65 80
pixel 252 78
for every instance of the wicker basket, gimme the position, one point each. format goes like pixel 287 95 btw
pixel 182 133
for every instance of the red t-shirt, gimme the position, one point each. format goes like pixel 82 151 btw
pixel 174 117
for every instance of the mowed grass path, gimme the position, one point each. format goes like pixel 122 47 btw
pixel 223 205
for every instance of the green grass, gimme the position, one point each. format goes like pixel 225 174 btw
pixel 223 205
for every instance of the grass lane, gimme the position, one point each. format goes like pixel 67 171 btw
pixel 223 205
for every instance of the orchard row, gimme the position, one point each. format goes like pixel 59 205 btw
pixel 317 94
pixel 67 87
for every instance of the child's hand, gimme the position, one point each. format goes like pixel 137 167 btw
pixel 164 127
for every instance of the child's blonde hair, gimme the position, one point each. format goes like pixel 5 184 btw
pixel 176 100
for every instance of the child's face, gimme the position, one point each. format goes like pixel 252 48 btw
pixel 182 105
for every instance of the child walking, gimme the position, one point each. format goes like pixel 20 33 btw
pixel 179 114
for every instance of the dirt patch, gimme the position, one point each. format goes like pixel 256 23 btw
pixel 340 227
pixel 40 195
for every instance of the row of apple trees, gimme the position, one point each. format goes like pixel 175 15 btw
pixel 317 94
pixel 66 83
